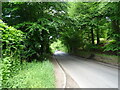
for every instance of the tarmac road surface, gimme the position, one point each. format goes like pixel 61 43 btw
pixel 87 73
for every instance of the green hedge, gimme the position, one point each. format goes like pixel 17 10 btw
pixel 12 39
pixel 11 49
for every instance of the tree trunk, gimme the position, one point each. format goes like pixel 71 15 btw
pixel 92 36
pixel 98 38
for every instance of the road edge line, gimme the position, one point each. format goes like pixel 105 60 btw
pixel 65 80
pixel 66 73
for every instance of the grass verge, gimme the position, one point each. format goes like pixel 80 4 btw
pixel 110 59
pixel 34 75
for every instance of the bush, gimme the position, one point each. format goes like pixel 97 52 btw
pixel 93 47
pixel 12 48
pixel 112 46
pixel 10 67
pixel 12 40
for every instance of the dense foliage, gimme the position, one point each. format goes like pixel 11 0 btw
pixel 94 26
pixel 12 40
pixel 39 24
pixel 14 69
pixel 40 28
pixel 11 49
pixel 32 28
pixel 82 23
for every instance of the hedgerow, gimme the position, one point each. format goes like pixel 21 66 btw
pixel 11 50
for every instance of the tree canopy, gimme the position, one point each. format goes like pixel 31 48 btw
pixel 80 26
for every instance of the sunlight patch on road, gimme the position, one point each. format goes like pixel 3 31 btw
pixel 59 53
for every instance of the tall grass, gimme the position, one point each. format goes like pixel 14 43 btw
pixel 34 75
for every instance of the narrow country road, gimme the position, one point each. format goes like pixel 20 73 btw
pixel 88 74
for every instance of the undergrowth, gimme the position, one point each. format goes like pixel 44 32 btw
pixel 33 75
